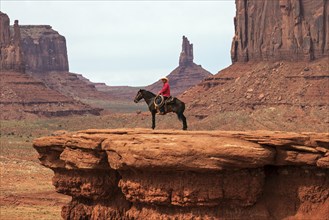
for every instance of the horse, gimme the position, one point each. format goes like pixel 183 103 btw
pixel 176 106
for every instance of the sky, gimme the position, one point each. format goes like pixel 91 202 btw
pixel 133 42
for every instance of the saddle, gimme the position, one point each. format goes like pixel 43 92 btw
pixel 170 100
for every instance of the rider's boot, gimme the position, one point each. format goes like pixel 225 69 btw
pixel 162 111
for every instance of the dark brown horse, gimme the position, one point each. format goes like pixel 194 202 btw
pixel 175 105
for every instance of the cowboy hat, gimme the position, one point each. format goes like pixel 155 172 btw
pixel 165 78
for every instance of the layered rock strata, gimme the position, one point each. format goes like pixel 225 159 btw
pixel 280 30
pixel 186 75
pixel 22 96
pixel 167 174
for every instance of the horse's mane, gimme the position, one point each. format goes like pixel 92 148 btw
pixel 150 93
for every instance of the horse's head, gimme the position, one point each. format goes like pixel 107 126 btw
pixel 139 96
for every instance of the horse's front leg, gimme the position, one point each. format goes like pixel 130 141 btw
pixel 153 119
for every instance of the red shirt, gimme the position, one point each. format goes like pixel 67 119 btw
pixel 165 91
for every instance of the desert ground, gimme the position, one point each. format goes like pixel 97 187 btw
pixel 26 186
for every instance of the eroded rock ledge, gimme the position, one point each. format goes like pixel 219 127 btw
pixel 166 174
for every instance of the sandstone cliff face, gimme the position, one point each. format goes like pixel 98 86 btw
pixel 280 30
pixel 11 54
pixel 146 174
pixel 44 49
pixel 186 75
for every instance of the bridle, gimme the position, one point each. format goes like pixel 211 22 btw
pixel 138 97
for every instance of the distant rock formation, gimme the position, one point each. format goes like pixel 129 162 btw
pixel 147 174
pixel 11 54
pixel 280 30
pixel 186 75
pixel 23 96
pixel 47 60
pixel 44 49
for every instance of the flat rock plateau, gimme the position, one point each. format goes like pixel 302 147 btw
pixel 169 174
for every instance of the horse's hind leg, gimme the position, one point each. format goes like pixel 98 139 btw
pixel 184 122
pixel 182 118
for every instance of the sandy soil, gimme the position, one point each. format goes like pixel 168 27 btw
pixel 25 186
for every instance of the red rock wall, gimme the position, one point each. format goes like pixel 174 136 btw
pixel 280 30
pixel 145 174
pixel 44 49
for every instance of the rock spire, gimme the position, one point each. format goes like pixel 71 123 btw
pixel 186 75
pixel 11 53
pixel 186 56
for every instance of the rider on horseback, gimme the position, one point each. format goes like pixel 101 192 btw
pixel 165 92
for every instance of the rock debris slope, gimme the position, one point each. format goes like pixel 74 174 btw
pixel 166 174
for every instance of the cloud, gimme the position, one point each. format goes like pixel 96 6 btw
pixel 126 42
